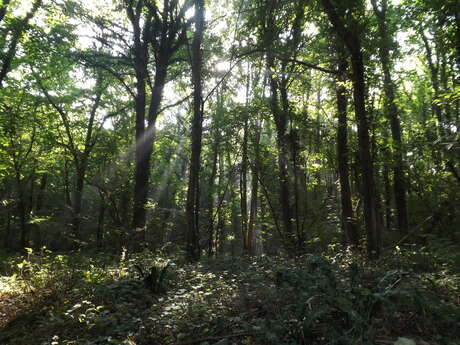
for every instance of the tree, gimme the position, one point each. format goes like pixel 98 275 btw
pixel 349 32
pixel 348 218
pixel 159 32
pixel 193 194
pixel 21 114
pixel 13 33
pixel 391 110
pixel 280 106
pixel 80 151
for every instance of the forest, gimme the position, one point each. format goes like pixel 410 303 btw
pixel 239 172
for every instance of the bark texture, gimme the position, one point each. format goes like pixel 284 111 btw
pixel 349 34
pixel 348 218
pixel 193 194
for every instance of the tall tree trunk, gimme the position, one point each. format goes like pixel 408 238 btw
pixel 433 68
pixel 290 145
pixel 348 218
pixel 244 188
pixel 391 110
pixel 213 192
pixel 193 194
pixel 222 197
pixel 367 167
pixel 437 110
pixel 22 218
pixel 244 172
pixel 387 191
pixel 349 34
pixel 232 200
pixel 159 29
pixel 145 138
pixel 283 175
pixel 77 201
pixel 255 169
pixel 298 188
pixel 457 41
pixel 67 197
pixel 280 122
pixel 211 182
pixel 39 202
pixel 100 220
pixel 317 142
pixel 6 239
pixel 144 142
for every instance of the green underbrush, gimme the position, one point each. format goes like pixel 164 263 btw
pixel 410 296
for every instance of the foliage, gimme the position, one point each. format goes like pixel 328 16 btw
pixel 155 278
pixel 333 299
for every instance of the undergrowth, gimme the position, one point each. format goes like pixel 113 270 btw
pixel 411 296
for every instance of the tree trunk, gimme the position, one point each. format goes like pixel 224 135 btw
pixel 77 201
pixel 252 226
pixel 22 219
pixel 353 42
pixel 348 218
pixel 6 240
pixel 220 227
pixel 21 207
pixel 144 142
pixel 3 8
pixel 290 144
pixel 437 110
pixel 17 33
pixel 433 68
pixel 158 29
pixel 67 187
pixel 232 195
pixel 457 42
pixel 145 137
pixel 391 110
pixel 193 194
pixel 280 118
pixel 212 177
pixel 244 187
pixel 100 221
pixel 283 175
pixel 367 167
pixel 387 191
pixel 244 171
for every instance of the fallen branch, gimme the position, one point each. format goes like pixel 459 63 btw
pixel 216 337
pixel 413 231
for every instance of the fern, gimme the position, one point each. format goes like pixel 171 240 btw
pixel 156 279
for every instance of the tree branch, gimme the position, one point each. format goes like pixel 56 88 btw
pixel 62 113
pixel 216 337
pixel 179 102
pixel 308 64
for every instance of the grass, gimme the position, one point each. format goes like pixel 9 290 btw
pixel 410 297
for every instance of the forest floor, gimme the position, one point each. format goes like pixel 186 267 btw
pixel 410 297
